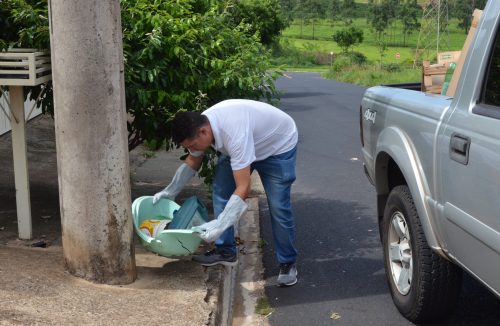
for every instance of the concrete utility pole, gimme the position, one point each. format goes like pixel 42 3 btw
pixel 91 139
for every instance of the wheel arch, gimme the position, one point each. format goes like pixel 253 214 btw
pixel 397 163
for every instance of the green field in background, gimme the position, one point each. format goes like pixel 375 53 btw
pixel 301 36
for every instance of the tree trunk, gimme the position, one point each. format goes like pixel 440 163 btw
pixel 91 139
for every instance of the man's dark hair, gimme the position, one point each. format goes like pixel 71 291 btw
pixel 186 124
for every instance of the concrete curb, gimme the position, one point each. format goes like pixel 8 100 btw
pixel 247 283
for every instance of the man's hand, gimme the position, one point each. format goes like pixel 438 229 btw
pixel 182 176
pixel 234 210
pixel 209 231
pixel 163 194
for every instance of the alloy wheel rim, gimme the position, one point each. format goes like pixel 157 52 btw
pixel 400 253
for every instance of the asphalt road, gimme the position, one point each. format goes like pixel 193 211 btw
pixel 341 273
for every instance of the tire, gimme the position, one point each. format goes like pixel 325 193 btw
pixel 424 286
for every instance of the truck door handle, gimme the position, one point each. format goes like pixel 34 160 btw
pixel 459 148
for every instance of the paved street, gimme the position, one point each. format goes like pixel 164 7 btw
pixel 341 273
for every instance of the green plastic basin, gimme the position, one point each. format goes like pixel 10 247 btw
pixel 169 243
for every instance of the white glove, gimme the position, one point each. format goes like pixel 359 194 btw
pixel 207 227
pixel 234 210
pixel 182 176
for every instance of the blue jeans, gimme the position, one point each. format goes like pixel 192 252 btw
pixel 277 174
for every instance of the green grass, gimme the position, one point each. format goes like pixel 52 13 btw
pixel 300 51
pixel 320 69
pixel 324 29
pixel 300 36
pixel 263 307
pixel 262 243
pixel 420 2
pixel 373 75
pixel 370 51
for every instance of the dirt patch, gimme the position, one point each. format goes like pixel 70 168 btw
pixel 36 290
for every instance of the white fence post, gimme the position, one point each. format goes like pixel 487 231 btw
pixel 19 150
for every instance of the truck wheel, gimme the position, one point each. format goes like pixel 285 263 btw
pixel 424 286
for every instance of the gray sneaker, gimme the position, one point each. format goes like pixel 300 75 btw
pixel 288 274
pixel 216 257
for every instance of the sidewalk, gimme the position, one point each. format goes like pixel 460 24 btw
pixel 36 290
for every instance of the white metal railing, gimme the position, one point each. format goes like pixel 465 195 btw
pixel 24 67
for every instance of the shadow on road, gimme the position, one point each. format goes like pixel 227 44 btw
pixel 340 257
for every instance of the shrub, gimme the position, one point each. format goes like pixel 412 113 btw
pixel 355 57
pixel 348 37
pixel 341 63
pixel 286 54
pixel 391 67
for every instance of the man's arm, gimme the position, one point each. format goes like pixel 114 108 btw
pixel 194 162
pixel 242 180
pixel 182 176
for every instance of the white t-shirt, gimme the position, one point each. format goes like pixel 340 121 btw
pixel 249 131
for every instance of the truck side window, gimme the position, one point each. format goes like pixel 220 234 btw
pixel 492 89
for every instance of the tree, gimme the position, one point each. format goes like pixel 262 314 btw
pixel 24 23
pixel 264 17
pixel 392 8
pixel 333 10
pixel 313 9
pixel 379 18
pixel 179 55
pixel 409 12
pixel 348 9
pixel 299 12
pixel 287 9
pixel 382 48
pixel 463 11
pixel 348 37
pixel 176 58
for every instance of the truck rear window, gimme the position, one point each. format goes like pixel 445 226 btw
pixel 492 90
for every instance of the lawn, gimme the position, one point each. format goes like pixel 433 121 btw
pixel 304 45
pixel 319 39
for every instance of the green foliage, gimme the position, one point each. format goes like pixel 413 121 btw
pixel 357 58
pixel 380 17
pixel 263 307
pixel 369 75
pixel 409 12
pixel 341 63
pixel 286 54
pixel 179 55
pixel 333 10
pixel 264 17
pixel 382 48
pixel 463 10
pixel 178 59
pixel 24 23
pixel 347 60
pixel 395 36
pixel 348 10
pixel 391 67
pixel 312 9
pixel 348 37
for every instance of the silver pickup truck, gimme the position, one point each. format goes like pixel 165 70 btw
pixel 435 164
